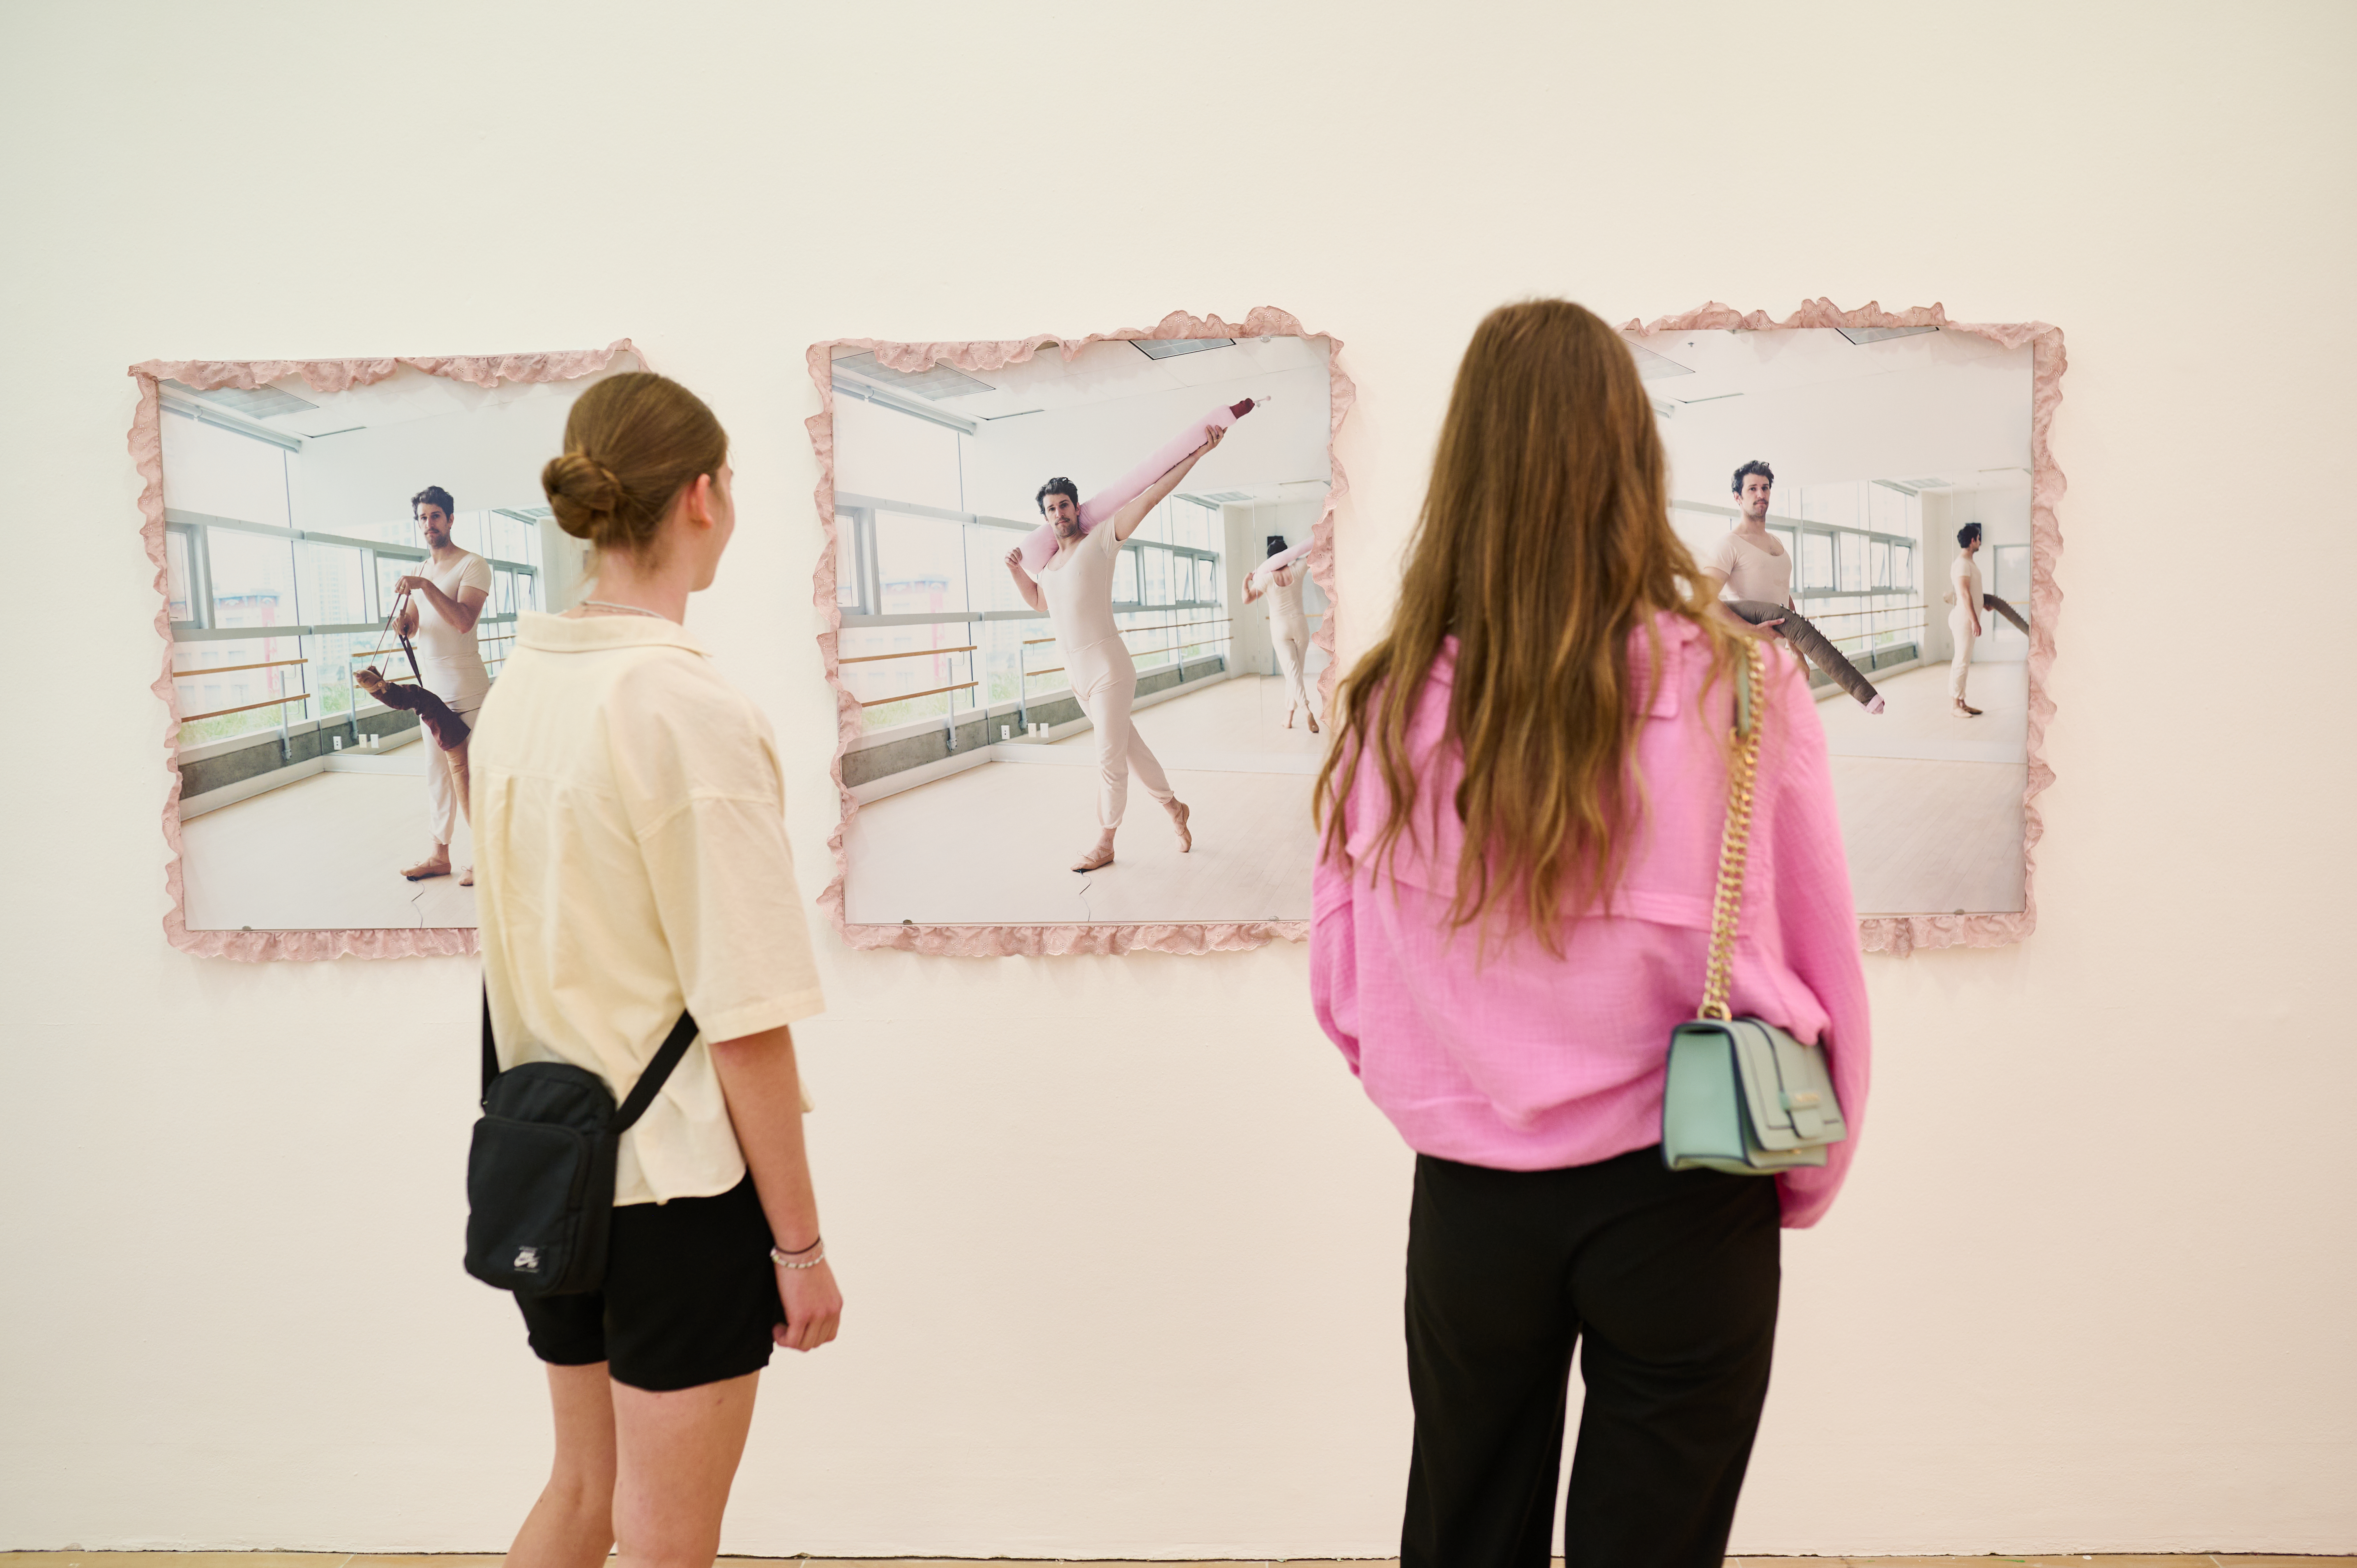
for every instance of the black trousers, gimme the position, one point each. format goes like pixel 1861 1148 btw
pixel 1668 1279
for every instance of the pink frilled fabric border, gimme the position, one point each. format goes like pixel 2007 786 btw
pixel 999 942
pixel 147 452
pixel 1904 933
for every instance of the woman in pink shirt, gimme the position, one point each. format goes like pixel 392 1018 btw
pixel 1521 822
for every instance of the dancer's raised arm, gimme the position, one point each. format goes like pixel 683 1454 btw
pixel 1125 521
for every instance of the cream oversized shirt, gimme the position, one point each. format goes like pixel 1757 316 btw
pixel 630 861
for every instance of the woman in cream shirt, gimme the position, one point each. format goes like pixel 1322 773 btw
pixel 632 863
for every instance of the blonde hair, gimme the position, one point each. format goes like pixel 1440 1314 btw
pixel 631 443
pixel 1543 543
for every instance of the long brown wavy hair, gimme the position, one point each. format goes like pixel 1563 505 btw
pixel 1544 542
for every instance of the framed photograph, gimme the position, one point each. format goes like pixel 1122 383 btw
pixel 1079 595
pixel 1879 488
pixel 341 549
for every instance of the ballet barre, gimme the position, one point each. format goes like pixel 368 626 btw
pixel 226 668
pixel 912 653
pixel 270 702
pixel 907 696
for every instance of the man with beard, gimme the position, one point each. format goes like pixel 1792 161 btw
pixel 454 586
pixel 1075 588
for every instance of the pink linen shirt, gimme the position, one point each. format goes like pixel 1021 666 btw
pixel 1519 1060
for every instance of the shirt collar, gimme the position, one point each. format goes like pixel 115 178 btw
pixel 595 634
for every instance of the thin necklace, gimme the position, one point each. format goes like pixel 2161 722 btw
pixel 625 610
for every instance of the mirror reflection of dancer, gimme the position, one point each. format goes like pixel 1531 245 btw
pixel 1756 573
pixel 1965 596
pixel 454 585
pixel 1288 628
pixel 1075 589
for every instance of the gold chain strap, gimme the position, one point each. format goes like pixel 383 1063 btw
pixel 1735 842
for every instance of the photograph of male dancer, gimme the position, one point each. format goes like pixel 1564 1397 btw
pixel 1288 627
pixel 1990 601
pixel 455 586
pixel 1075 589
pixel 1756 573
pixel 1965 596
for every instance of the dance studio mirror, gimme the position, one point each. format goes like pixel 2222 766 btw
pixel 300 506
pixel 1081 636
pixel 1849 480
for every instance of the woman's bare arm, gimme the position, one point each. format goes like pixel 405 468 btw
pixel 763 1088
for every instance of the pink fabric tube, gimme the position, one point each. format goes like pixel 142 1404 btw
pixel 1281 559
pixel 1040 543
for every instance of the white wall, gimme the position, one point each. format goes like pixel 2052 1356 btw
pixel 1939 419
pixel 1122 1242
pixel 1094 444
pixel 490 458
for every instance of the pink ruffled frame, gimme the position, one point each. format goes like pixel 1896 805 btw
pixel 999 941
pixel 148 453
pixel 1904 933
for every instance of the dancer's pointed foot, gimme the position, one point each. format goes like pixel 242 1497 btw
pixel 1096 859
pixel 1288 717
pixel 1313 724
pixel 1875 706
pixel 434 865
pixel 1966 710
pixel 1180 813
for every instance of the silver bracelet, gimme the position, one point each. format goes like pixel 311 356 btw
pixel 786 1260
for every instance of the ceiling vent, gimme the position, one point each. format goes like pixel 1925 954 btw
pixel 1934 483
pixel 1171 348
pixel 1894 485
pixel 1864 335
pixel 524 513
pixel 254 402
pixel 932 383
pixel 1219 498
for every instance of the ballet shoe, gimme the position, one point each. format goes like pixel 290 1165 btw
pixel 426 868
pixel 1180 813
pixel 1968 710
pixel 1875 706
pixel 1095 860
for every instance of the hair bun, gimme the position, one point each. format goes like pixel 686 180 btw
pixel 581 492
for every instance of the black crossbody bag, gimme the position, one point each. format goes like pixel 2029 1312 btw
pixel 540 1173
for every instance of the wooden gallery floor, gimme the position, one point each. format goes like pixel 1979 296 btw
pixel 994 844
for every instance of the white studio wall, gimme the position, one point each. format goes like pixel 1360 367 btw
pixel 1120 1239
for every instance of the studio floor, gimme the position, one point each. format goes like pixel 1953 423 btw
pixel 342 1559
pixel 994 844
pixel 324 853
pixel 1931 802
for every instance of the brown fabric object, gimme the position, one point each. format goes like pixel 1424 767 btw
pixel 450 731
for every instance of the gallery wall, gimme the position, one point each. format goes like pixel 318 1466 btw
pixel 1120 1239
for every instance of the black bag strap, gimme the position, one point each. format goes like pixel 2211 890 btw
pixel 643 1094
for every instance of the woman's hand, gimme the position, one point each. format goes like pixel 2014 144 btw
pixel 813 1307
pixel 1212 436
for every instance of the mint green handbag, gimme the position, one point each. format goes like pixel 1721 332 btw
pixel 1741 1094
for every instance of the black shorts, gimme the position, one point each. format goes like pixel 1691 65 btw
pixel 690 1296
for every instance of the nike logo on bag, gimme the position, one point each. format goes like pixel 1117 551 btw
pixel 527 1260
